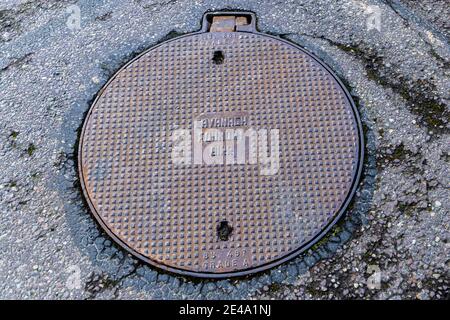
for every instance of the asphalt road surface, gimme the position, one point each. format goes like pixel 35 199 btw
pixel 393 56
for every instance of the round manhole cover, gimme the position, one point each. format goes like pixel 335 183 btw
pixel 221 152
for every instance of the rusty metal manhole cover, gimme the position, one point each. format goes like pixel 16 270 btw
pixel 222 152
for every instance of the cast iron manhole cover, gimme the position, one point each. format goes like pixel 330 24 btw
pixel 222 152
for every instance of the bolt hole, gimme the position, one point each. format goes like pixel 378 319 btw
pixel 218 57
pixel 224 230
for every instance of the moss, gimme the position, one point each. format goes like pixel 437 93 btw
pixel 445 157
pixel 407 208
pixel 369 256
pixel 445 63
pixel 336 230
pixel 399 154
pixel 313 291
pixel 433 113
pixel 12 184
pixel 419 94
pixel 274 287
pixel 172 34
pixel 99 283
pixel 348 48
pixel 31 149
pixel 14 134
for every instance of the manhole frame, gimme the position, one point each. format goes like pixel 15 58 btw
pixel 273 263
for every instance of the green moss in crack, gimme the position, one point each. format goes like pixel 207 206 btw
pixel 12 184
pixel 335 231
pixel 419 97
pixel 172 34
pixel 419 94
pixel 313 291
pixel 274 287
pixel 348 48
pixel 320 243
pixel 433 113
pixel 31 149
pixel 97 283
pixel 13 135
pixel 399 154
pixel 407 208
pixel 445 63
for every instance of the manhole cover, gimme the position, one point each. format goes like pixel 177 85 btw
pixel 222 152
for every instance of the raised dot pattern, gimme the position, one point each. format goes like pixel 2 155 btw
pixel 169 213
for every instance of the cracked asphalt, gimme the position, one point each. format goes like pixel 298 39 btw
pixel 393 242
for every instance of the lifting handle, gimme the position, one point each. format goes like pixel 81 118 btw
pixel 229 21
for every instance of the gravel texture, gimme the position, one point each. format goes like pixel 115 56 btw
pixel 396 231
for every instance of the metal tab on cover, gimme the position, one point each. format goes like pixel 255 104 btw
pixel 229 21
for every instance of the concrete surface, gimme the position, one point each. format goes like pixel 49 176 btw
pixel 396 231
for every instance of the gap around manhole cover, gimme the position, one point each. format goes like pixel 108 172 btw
pixel 220 153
